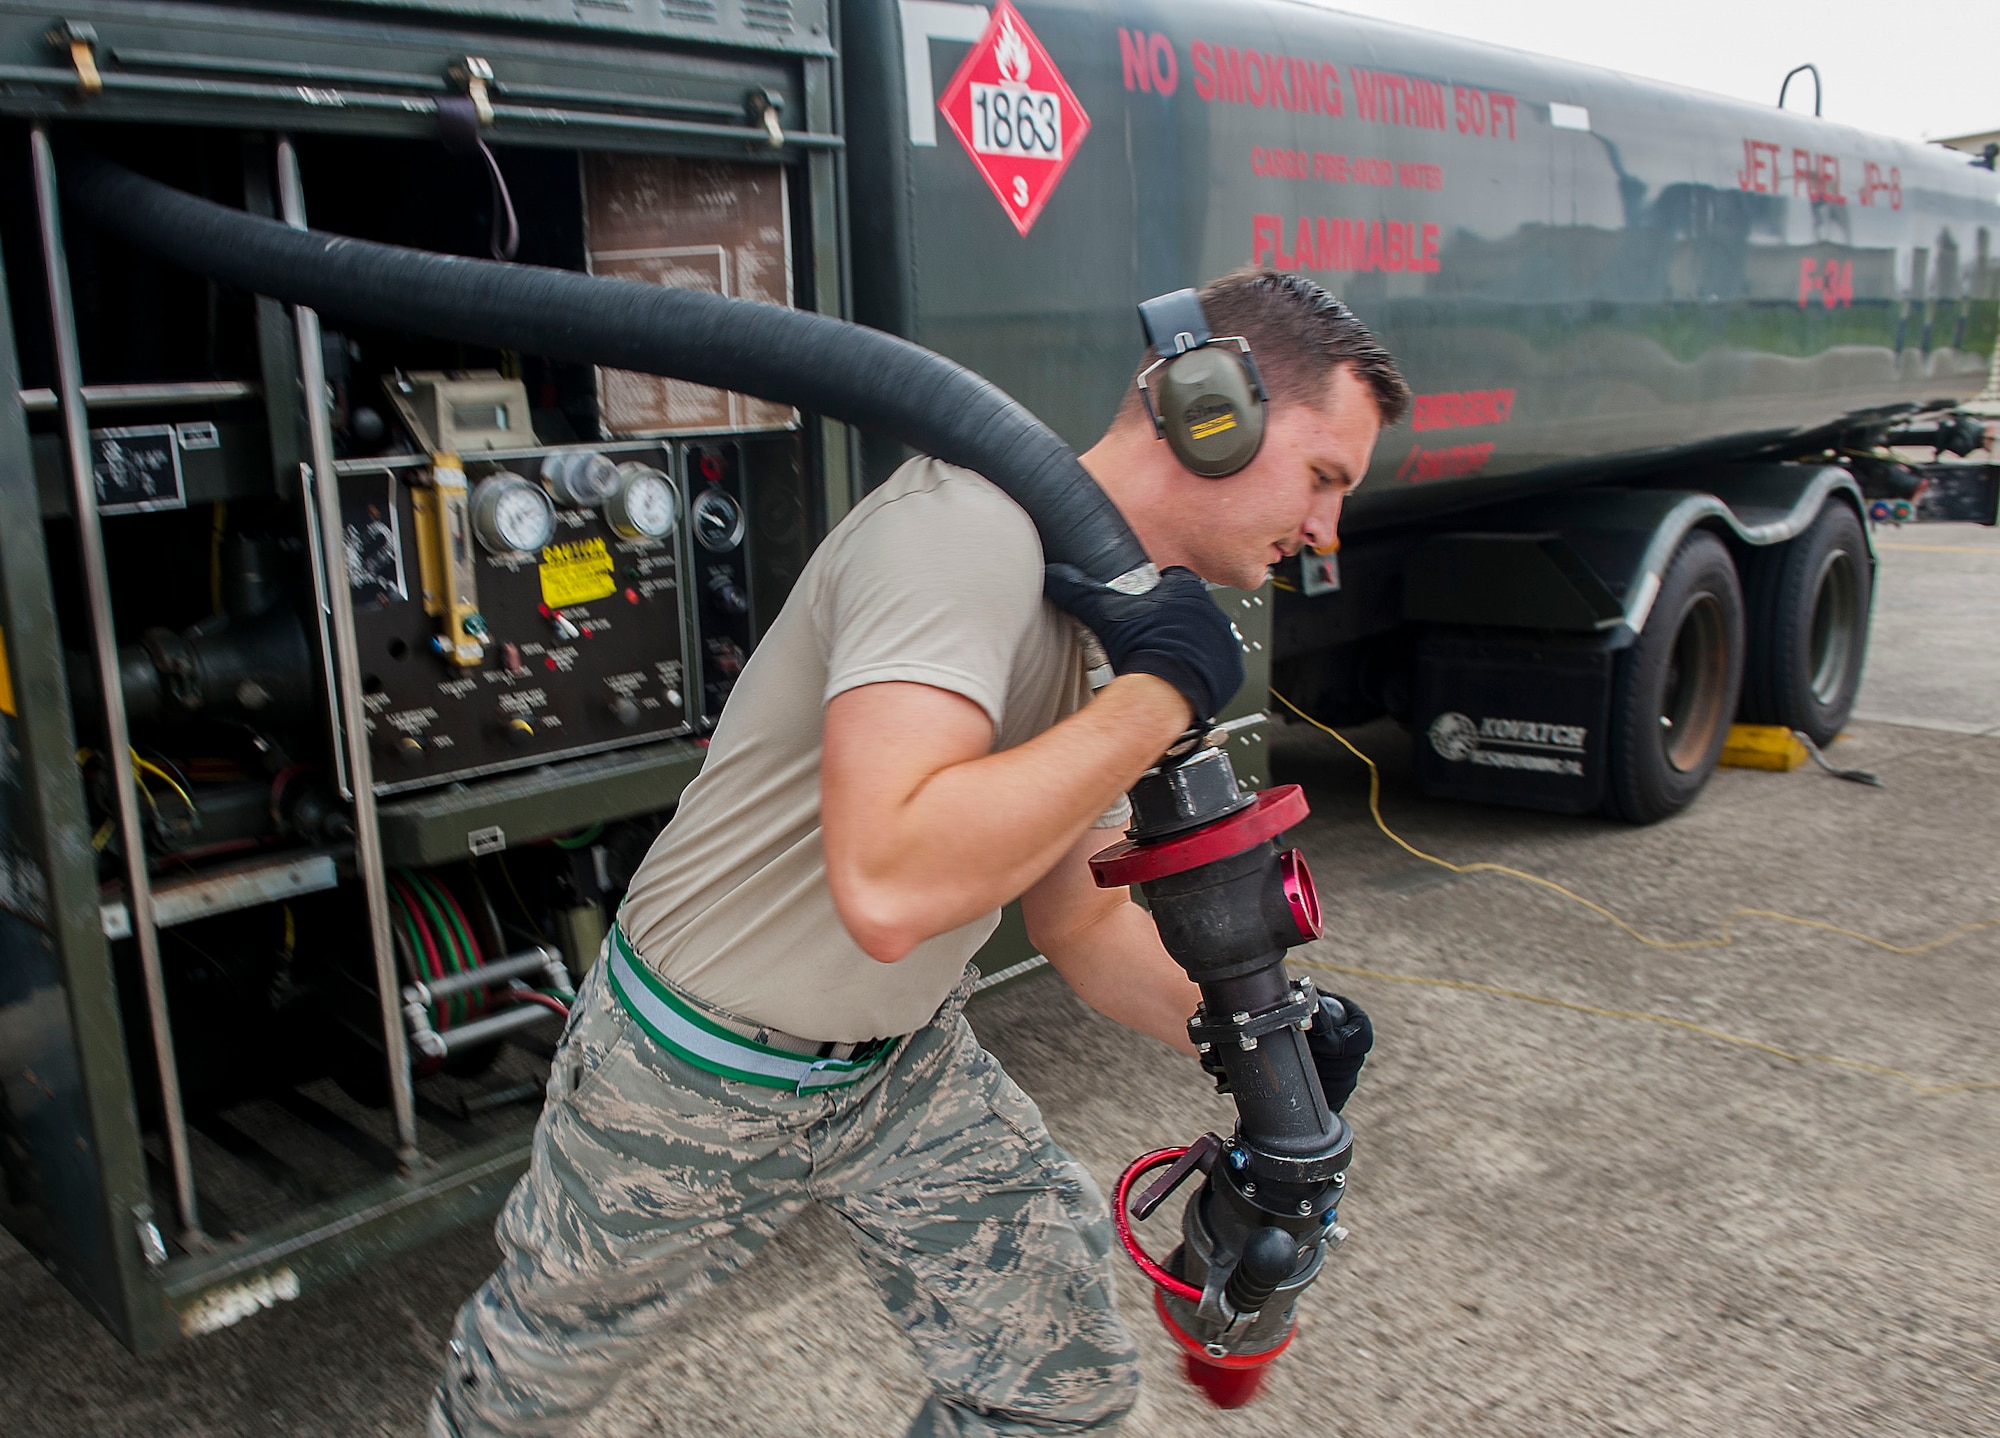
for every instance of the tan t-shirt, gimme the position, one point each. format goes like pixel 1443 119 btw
pixel 935 578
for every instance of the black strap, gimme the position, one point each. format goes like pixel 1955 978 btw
pixel 458 131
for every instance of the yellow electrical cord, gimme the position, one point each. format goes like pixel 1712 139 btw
pixel 1722 940
pixel 157 772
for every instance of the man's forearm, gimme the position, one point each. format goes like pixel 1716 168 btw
pixel 1118 966
pixel 975 834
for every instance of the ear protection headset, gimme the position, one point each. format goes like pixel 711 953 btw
pixel 1208 401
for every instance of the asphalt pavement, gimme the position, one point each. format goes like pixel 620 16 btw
pixel 1742 1180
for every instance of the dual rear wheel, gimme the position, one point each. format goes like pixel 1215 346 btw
pixel 1791 656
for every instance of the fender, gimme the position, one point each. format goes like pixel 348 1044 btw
pixel 1591 560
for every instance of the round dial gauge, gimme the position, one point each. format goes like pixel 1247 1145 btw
pixel 643 504
pixel 717 519
pixel 579 477
pixel 511 515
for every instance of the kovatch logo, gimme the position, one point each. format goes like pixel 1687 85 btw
pixel 1522 744
pixel 1015 114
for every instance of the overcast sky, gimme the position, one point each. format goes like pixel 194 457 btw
pixel 1921 69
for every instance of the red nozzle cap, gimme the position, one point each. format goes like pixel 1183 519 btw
pixel 1224 1387
pixel 1228 1380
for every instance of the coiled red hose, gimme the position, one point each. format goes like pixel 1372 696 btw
pixel 1139 1167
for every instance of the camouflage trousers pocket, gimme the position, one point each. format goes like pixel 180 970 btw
pixel 597 1030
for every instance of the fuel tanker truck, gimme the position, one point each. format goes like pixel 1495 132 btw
pixel 412 414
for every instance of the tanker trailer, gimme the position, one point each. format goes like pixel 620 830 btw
pixel 1658 338
pixel 349 665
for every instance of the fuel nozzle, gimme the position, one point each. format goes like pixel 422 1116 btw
pixel 1228 901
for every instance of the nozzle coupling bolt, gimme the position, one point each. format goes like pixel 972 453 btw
pixel 1305 1205
pixel 1340 1180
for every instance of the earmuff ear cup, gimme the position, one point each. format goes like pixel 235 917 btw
pixel 1210 412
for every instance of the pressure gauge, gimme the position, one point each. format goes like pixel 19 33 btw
pixel 642 504
pixel 717 520
pixel 582 478
pixel 511 515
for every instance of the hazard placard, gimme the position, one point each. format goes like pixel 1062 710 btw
pixel 1015 114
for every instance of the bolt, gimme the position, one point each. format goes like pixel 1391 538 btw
pixel 1246 1043
pixel 1305 1205
pixel 1239 1019
pixel 1249 1190
pixel 1340 1180
pixel 1203 1048
pixel 1305 1024
pixel 1238 1158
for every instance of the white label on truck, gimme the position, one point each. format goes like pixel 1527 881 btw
pixel 1527 744
pixel 1014 120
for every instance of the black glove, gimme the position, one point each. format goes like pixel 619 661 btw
pixel 1174 632
pixel 1339 1041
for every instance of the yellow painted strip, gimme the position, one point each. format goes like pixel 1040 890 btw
pixel 1928 1090
pixel 1210 427
pixel 1939 548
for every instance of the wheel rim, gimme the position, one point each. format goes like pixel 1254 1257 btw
pixel 1697 675
pixel 1836 608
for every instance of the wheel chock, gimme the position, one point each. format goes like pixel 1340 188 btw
pixel 1762 746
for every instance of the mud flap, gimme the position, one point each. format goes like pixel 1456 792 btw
pixel 1513 719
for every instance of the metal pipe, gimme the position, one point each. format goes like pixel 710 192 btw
pixel 534 960
pixel 395 80
pixel 484 1031
pixel 347 664
pixel 136 396
pixel 104 646
pixel 319 98
pixel 278 69
pixel 323 615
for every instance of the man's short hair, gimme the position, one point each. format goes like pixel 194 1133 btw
pixel 1300 334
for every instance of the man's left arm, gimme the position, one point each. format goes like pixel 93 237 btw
pixel 1106 947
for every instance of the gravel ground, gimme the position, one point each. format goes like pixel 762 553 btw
pixel 1570 1210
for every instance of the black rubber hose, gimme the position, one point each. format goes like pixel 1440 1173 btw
pixel 825 366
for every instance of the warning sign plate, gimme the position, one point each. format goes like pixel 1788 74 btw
pixel 1015 114
pixel 576 573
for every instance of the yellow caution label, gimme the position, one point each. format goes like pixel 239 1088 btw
pixel 1211 427
pixel 576 573
pixel 6 678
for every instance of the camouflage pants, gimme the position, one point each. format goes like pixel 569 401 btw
pixel 652 1181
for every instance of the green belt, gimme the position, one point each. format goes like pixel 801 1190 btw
pixel 689 1035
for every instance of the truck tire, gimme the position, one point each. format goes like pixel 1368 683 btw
pixel 1808 625
pixel 1674 691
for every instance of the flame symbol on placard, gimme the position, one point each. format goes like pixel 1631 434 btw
pixel 1012 53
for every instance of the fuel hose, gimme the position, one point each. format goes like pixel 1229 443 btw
pixel 826 366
